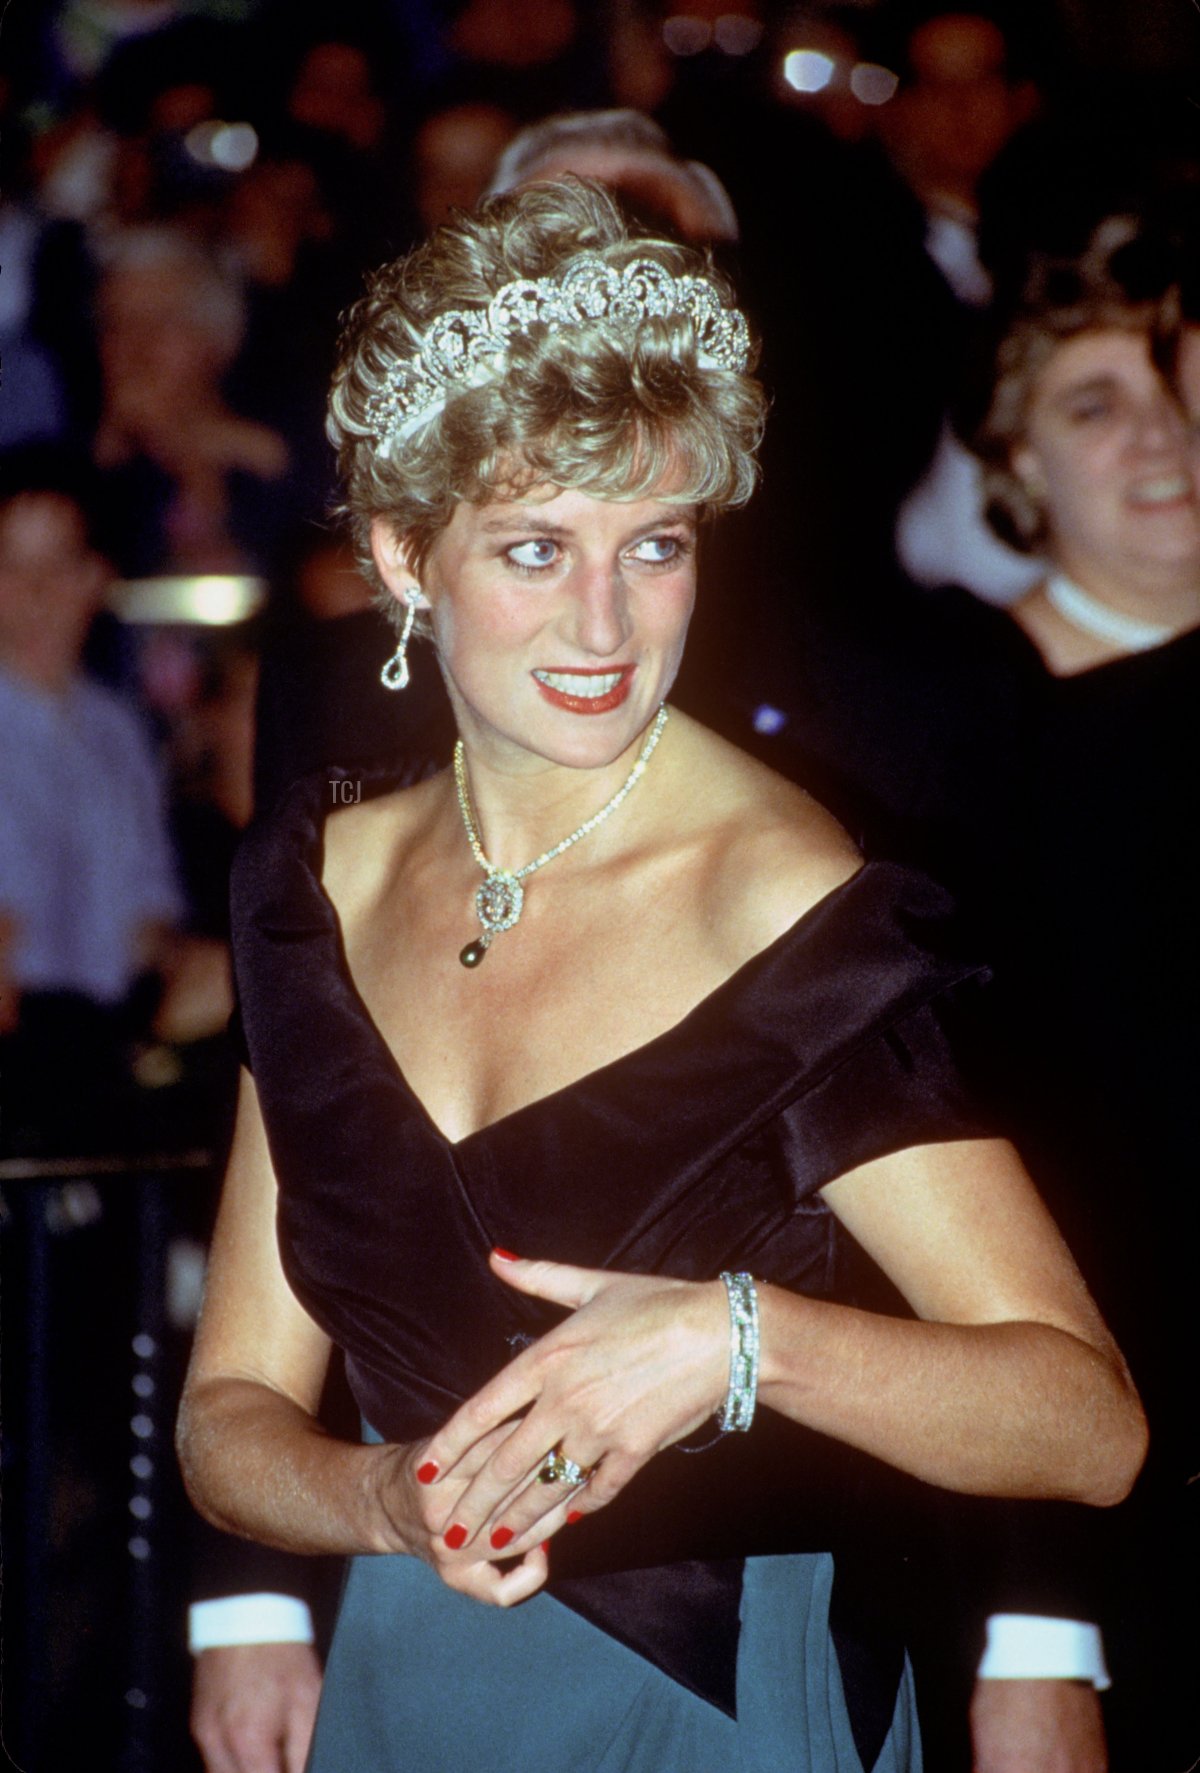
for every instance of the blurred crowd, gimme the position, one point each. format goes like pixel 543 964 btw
pixel 192 192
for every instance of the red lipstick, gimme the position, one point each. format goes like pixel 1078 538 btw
pixel 603 704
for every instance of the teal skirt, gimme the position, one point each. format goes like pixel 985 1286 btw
pixel 423 1679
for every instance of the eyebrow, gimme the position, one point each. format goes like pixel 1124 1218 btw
pixel 525 518
pixel 519 518
pixel 1097 384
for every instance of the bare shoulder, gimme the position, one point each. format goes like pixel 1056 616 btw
pixel 771 852
pixel 367 842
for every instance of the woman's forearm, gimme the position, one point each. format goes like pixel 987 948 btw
pixel 257 1464
pixel 1004 1405
pixel 1005 1409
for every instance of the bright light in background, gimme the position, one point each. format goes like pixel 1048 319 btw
pixel 231 147
pixel 812 70
pixel 219 600
pixel 213 600
pixel 872 84
pixel 766 720
pixel 808 70
pixel 235 146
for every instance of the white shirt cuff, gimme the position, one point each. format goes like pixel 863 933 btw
pixel 248 1619
pixel 1029 1647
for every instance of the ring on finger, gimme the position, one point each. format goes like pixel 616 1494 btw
pixel 556 1468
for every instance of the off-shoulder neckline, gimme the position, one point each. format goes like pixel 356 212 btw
pixel 735 984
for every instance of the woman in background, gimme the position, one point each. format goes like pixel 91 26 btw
pixel 1091 455
pixel 1041 761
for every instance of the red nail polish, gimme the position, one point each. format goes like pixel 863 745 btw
pixel 576 1514
pixel 501 1537
pixel 546 1547
pixel 427 1472
pixel 456 1537
pixel 505 1255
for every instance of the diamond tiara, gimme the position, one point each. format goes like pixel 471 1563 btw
pixel 466 347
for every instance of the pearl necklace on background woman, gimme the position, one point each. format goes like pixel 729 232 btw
pixel 1100 620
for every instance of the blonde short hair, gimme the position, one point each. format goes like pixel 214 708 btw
pixel 614 412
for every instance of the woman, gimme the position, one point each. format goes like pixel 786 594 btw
pixel 1042 761
pixel 648 1075
pixel 1091 459
pixel 1088 444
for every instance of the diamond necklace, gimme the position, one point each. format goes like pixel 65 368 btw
pixel 499 900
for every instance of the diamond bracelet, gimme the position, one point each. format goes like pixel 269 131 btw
pixel 737 1412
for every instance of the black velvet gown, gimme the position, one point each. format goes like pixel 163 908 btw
pixel 723 1611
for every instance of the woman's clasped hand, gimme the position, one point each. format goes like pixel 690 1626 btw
pixel 423 1517
pixel 640 1363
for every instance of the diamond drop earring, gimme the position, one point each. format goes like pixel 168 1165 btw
pixel 395 673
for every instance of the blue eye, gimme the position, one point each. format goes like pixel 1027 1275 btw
pixel 658 550
pixel 533 556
